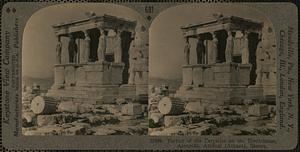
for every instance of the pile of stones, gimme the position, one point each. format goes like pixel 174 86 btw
pixel 125 117
pixel 202 118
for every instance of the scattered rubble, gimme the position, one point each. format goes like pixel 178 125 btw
pixel 203 118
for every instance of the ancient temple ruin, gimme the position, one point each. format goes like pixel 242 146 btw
pixel 105 61
pixel 232 65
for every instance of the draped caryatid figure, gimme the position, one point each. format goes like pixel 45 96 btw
pixel 85 53
pixel 72 48
pixel 245 49
pixel 118 48
pixel 200 49
pixel 132 59
pixel 187 48
pixel 58 51
pixel 229 47
pixel 102 46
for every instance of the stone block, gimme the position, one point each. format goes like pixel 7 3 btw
pixel 244 70
pixel 258 110
pixel 80 75
pixel 209 77
pixel 156 117
pixel 116 73
pixel 43 120
pixel 132 109
pixel 194 107
pixel 70 75
pixel 198 76
pixel 59 75
pixel 104 131
pixel 187 78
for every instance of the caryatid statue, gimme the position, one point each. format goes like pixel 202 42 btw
pixel 200 49
pixel 259 58
pixel 245 48
pixel 58 50
pixel 229 47
pixel 213 50
pixel 118 48
pixel 187 48
pixel 72 48
pixel 86 51
pixel 132 59
pixel 102 46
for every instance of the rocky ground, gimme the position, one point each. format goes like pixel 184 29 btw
pixel 122 118
pixel 208 119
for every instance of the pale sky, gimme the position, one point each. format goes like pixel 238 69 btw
pixel 166 40
pixel 39 41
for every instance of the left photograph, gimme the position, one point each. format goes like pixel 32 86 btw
pixel 85 72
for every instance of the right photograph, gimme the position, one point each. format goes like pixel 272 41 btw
pixel 212 71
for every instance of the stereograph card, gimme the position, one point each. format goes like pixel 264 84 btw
pixel 171 75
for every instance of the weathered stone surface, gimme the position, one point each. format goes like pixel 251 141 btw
pixel 68 106
pixel 258 110
pixel 194 107
pixel 229 120
pixel 85 108
pixel 113 109
pixel 201 129
pixel 132 109
pixel 65 118
pixel 43 120
pixel 102 119
pixel 77 129
pixel 175 120
pixel 120 101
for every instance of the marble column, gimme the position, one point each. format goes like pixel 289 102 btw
pixel 187 48
pixel 58 50
pixel 102 46
pixel 229 47
pixel 118 48
pixel 259 58
pixel 245 50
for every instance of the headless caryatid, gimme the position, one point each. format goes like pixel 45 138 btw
pixel 229 47
pixel 58 51
pixel 102 46
pixel 200 49
pixel 187 48
pixel 72 50
pixel 118 48
pixel 132 59
pixel 213 50
pixel 86 48
pixel 245 50
pixel 259 58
